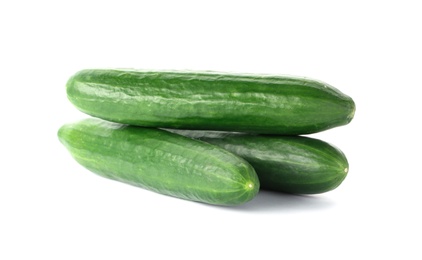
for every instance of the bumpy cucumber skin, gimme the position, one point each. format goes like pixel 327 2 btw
pixel 160 161
pixel 210 101
pixel 290 164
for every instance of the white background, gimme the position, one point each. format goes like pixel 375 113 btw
pixel 52 208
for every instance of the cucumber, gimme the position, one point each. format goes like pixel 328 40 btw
pixel 160 161
pixel 291 164
pixel 210 101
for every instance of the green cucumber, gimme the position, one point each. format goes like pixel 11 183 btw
pixel 210 101
pixel 160 161
pixel 291 164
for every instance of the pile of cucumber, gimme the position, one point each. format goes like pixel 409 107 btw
pixel 210 137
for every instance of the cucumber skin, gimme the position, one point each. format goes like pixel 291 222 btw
pixel 210 101
pixel 290 164
pixel 160 161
